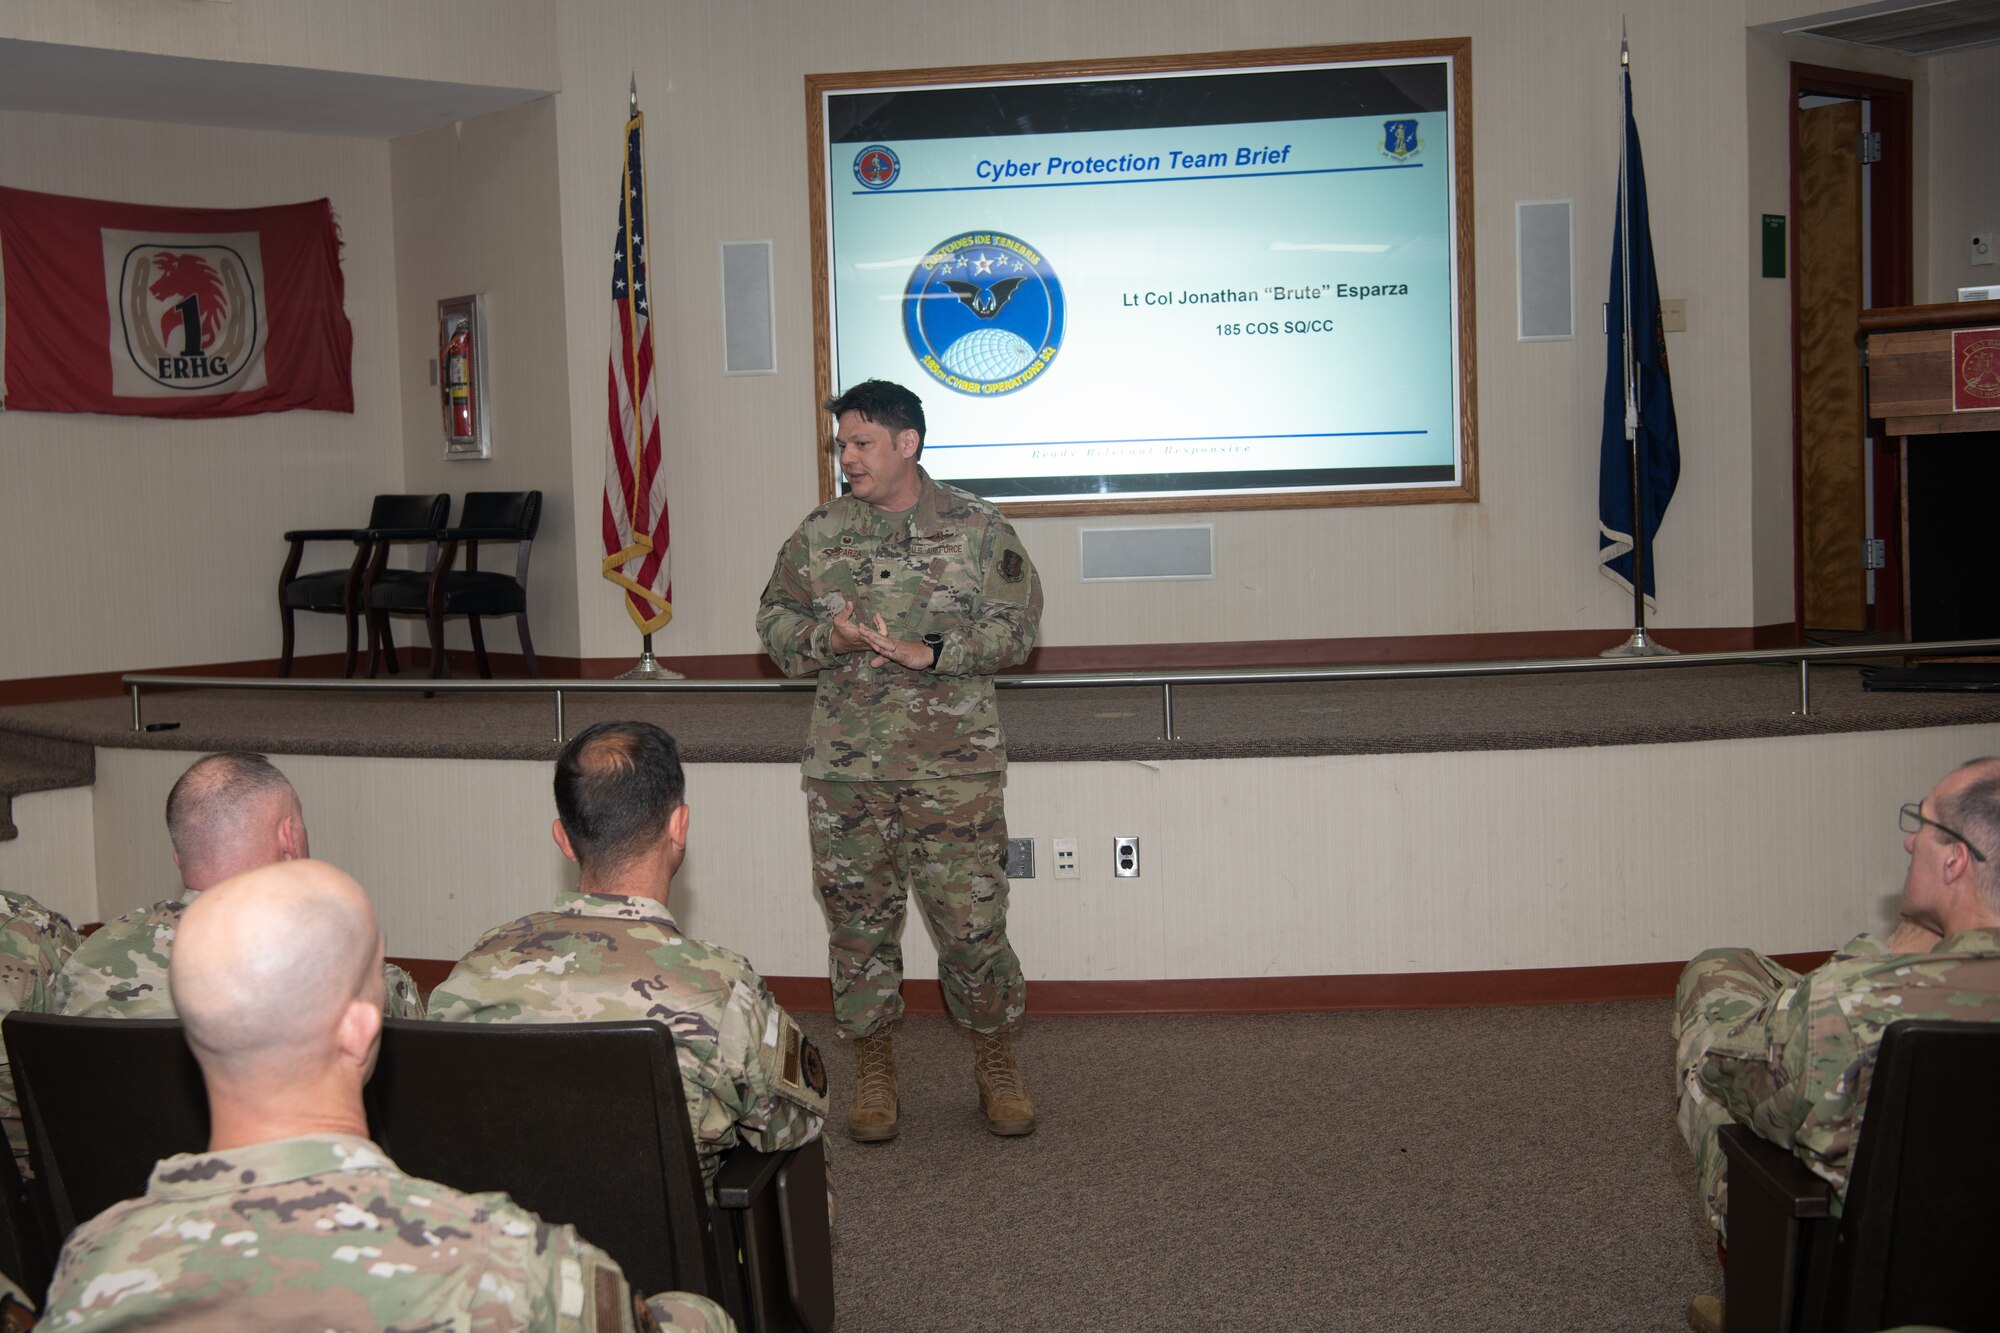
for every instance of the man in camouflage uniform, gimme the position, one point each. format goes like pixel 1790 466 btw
pixel 904 597
pixel 292 1218
pixel 1792 1056
pixel 35 942
pixel 228 813
pixel 610 950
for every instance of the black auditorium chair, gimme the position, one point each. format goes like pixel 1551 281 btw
pixel 582 1123
pixel 24 1247
pixel 340 591
pixel 488 516
pixel 1922 1213
pixel 585 1123
pixel 102 1100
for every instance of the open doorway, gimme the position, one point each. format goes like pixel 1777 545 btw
pixel 1851 208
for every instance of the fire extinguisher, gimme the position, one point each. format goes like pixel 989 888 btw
pixel 458 381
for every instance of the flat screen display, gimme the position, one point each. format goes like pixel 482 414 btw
pixel 1169 288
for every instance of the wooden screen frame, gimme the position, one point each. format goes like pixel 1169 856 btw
pixel 1457 49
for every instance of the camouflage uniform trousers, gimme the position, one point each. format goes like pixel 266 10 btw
pixel 1718 990
pixel 944 839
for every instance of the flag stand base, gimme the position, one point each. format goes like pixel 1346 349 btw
pixel 649 668
pixel 1638 645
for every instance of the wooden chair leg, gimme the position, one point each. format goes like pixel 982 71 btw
pixel 436 626
pixel 353 647
pixel 527 645
pixel 479 647
pixel 381 644
pixel 285 657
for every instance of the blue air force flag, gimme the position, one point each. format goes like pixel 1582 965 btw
pixel 1638 397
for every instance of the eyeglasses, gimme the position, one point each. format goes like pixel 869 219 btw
pixel 1911 818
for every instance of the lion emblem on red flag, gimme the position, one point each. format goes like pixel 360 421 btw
pixel 194 291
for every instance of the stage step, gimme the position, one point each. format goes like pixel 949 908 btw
pixel 39 763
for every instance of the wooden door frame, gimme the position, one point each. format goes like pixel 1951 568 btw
pixel 1891 203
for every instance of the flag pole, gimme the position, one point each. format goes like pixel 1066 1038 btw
pixel 1637 644
pixel 647 667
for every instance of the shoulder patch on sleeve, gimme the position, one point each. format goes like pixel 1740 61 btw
pixel 799 1065
pixel 1012 567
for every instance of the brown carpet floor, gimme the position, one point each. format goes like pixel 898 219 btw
pixel 1446 1169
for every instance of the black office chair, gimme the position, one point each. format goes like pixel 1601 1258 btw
pixel 501 1107
pixel 339 591
pixel 583 1123
pixel 25 1255
pixel 488 516
pixel 103 1099
pixel 1922 1214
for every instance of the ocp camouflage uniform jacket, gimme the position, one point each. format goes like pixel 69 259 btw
pixel 323 1232
pixel 34 943
pixel 121 970
pixel 1797 1068
pixel 748 1073
pixel 949 565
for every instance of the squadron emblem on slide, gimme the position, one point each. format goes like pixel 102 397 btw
pixel 877 167
pixel 983 313
pixel 1400 139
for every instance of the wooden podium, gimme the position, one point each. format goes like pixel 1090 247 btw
pixel 1949 461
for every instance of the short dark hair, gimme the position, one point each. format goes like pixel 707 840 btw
pixel 616 784
pixel 207 801
pixel 886 404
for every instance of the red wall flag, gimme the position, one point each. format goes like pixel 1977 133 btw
pixel 635 486
pixel 170 312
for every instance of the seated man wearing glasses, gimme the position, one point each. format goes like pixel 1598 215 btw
pixel 1791 1056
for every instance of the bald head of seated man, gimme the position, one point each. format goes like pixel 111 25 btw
pixel 293 1215
pixel 229 813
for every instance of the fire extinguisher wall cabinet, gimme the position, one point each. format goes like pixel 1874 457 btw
pixel 462 377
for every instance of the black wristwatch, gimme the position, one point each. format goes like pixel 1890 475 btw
pixel 936 642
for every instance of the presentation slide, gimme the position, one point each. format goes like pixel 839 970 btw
pixel 1224 284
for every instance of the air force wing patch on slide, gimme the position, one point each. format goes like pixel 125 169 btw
pixel 983 313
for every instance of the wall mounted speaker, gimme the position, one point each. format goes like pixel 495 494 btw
pixel 1115 554
pixel 1544 275
pixel 749 344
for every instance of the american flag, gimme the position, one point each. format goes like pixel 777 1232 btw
pixel 635 490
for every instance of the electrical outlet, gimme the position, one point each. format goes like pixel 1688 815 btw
pixel 1125 858
pixel 1020 858
pixel 1064 852
pixel 1982 248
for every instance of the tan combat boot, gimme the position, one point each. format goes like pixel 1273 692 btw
pixel 1001 1093
pixel 871 1116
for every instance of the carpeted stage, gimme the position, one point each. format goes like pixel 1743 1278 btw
pixel 1250 720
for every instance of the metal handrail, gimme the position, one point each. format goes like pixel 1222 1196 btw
pixel 1166 680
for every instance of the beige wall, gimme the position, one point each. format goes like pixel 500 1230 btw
pixel 723 90
pixel 1965 179
pixel 54 860
pixel 132 542
pixel 1270 867
pixel 729 93
pixel 498 43
pixel 470 218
